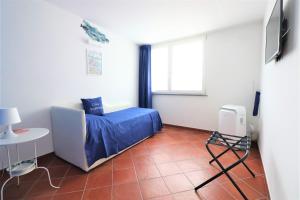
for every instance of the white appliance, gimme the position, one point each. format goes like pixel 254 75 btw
pixel 232 120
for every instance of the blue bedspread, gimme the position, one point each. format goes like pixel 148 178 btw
pixel 113 132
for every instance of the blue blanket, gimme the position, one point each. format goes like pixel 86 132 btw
pixel 113 132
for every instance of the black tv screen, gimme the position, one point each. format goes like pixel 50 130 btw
pixel 273 33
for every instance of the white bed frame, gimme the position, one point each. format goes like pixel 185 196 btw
pixel 69 134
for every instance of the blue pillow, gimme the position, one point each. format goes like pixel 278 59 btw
pixel 93 106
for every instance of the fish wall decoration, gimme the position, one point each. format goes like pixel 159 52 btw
pixel 93 32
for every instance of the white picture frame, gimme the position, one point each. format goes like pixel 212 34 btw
pixel 94 62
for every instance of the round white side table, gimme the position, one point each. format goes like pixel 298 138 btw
pixel 23 167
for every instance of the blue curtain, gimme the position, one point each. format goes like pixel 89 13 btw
pixel 145 93
pixel 256 103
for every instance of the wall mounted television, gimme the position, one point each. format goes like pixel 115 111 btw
pixel 274 32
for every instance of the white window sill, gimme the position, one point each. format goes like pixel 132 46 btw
pixel 179 93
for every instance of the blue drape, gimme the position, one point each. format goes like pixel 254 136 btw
pixel 145 93
pixel 256 103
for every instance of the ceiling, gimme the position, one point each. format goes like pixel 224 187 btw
pixel 152 21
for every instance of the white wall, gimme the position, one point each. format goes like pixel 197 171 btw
pixel 0 51
pixel 44 64
pixel 232 61
pixel 279 137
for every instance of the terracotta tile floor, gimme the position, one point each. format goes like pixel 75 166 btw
pixel 165 167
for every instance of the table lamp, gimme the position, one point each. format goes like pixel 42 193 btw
pixel 9 116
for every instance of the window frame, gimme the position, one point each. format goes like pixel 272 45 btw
pixel 169 46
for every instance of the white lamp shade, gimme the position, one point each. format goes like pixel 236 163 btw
pixel 9 116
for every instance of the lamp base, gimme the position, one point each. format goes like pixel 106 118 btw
pixel 8 134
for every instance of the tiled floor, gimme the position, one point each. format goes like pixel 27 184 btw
pixel 164 167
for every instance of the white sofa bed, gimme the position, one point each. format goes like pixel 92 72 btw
pixel 69 134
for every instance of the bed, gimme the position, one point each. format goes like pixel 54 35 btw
pixel 88 140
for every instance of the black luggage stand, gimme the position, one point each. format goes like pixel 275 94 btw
pixel 233 143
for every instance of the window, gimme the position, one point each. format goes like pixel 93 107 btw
pixel 178 67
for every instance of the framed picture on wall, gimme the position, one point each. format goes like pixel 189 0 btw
pixel 94 62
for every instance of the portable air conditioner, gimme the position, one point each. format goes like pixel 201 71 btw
pixel 232 120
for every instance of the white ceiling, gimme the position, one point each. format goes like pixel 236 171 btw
pixel 152 21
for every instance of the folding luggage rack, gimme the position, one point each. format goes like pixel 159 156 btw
pixel 234 144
